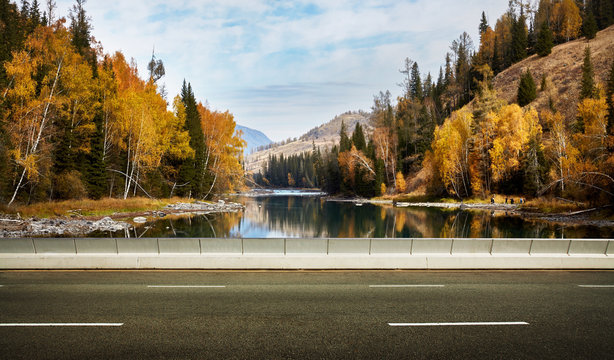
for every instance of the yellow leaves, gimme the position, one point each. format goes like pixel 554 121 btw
pixel 451 149
pixel 566 19
pixel 401 184
pixel 513 129
pixel 383 189
pixel 20 70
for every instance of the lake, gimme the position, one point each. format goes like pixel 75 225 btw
pixel 297 214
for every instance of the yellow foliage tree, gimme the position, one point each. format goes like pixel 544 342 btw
pixel 566 20
pixel 401 184
pixel 34 110
pixel 450 157
pixel 224 149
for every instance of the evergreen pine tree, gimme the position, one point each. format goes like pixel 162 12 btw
pixel 589 26
pixel 344 143
pixel 193 170
pixel 545 41
pixel 587 89
pixel 80 28
pixel 527 91
pixel 95 171
pixel 416 83
pixel 358 138
pixel 483 25
pixel 519 39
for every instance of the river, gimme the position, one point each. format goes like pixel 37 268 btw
pixel 310 215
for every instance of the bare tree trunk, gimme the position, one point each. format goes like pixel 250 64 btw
pixel 40 130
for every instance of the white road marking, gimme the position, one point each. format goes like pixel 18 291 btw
pixel 597 286
pixel 186 286
pixel 57 324
pixel 401 286
pixel 484 323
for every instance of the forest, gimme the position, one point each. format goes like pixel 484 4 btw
pixel 456 138
pixel 77 122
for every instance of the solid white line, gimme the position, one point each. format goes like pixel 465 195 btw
pixel 186 286
pixel 597 286
pixel 58 324
pixel 486 323
pixel 401 286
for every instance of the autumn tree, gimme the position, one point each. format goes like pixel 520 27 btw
pixel 566 20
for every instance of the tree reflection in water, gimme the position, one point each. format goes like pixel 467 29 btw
pixel 313 217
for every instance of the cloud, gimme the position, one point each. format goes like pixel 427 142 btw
pixel 297 62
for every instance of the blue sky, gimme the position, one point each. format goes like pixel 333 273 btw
pixel 284 67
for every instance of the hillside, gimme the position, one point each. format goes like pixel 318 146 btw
pixel 563 68
pixel 324 136
pixel 253 138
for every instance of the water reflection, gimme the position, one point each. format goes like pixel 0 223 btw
pixel 300 216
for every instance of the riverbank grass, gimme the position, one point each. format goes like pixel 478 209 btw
pixel 88 207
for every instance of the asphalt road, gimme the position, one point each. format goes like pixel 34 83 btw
pixel 298 315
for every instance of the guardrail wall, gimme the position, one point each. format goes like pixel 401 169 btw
pixel 294 253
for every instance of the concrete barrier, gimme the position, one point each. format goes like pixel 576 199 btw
pixel 471 246
pixel 547 246
pixel 96 246
pixel 137 246
pixel 54 246
pixel 179 246
pixel 582 247
pixel 17 246
pixel 263 246
pixel 320 253
pixel 432 246
pixel 510 246
pixel 306 246
pixel 391 246
pixel 349 246
pixel 221 246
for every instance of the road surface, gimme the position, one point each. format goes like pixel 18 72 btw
pixel 297 315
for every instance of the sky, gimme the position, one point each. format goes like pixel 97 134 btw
pixel 284 67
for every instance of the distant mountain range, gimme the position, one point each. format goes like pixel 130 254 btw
pixel 254 139
pixel 323 136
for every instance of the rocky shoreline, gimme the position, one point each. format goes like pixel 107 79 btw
pixel 15 227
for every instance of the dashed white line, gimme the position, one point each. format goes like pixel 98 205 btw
pixel 483 323
pixel 57 324
pixel 186 286
pixel 408 285
pixel 596 286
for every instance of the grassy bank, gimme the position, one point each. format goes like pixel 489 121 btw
pixel 88 207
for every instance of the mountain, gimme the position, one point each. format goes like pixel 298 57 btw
pixel 253 138
pixel 323 136
pixel 563 71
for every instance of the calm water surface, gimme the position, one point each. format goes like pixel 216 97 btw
pixel 284 215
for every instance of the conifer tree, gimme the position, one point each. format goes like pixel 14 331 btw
pixel 344 143
pixel 589 25
pixel 587 89
pixel 519 39
pixel 415 82
pixel 80 27
pixel 545 41
pixel 527 91
pixel 483 24
pixel 358 138
pixel 95 171
pixel 193 170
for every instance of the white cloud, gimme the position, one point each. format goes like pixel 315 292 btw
pixel 306 60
